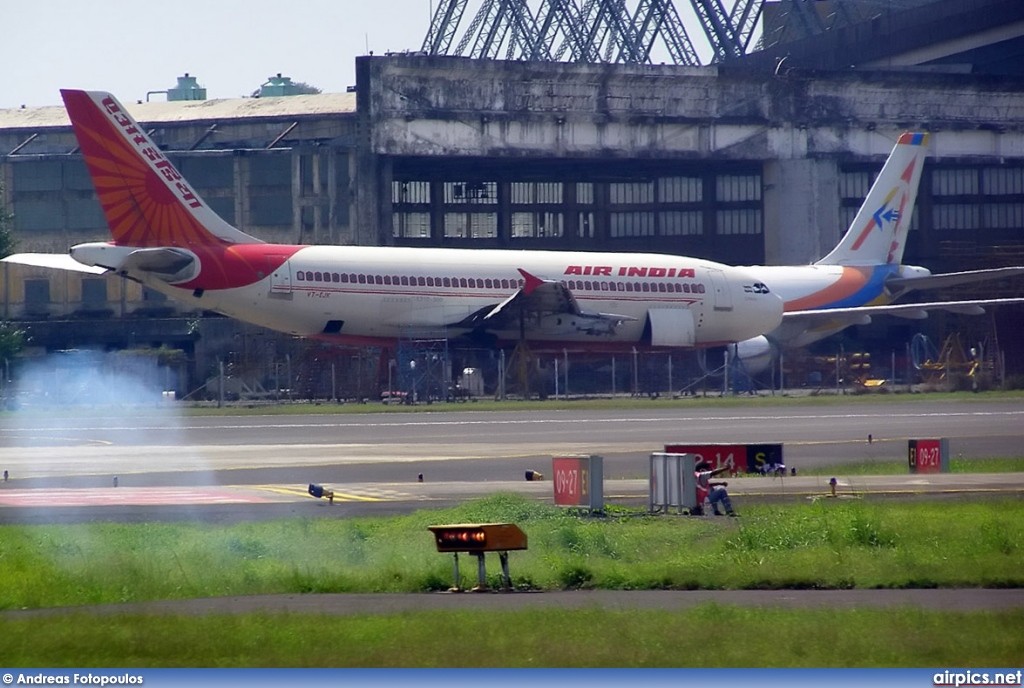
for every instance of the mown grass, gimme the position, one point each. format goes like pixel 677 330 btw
pixel 622 402
pixel 713 400
pixel 1013 464
pixel 828 544
pixel 705 636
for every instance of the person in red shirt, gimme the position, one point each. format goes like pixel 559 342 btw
pixel 713 492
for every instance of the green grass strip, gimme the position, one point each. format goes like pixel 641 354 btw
pixel 705 636
pixel 980 465
pixel 714 399
pixel 825 544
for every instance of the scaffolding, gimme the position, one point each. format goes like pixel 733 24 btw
pixel 422 371
pixel 952 364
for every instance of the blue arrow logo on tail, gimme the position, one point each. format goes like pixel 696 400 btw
pixel 884 214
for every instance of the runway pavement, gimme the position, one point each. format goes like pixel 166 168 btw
pixel 64 464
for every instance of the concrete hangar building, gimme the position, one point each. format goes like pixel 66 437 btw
pixel 760 157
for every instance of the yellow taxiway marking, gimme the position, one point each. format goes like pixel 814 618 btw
pixel 278 489
pixel 304 492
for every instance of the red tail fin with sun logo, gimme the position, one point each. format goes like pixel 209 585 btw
pixel 146 201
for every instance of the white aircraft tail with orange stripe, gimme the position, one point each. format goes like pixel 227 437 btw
pixel 878 234
pixel 864 274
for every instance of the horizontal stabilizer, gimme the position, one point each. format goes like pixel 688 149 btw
pixel 964 309
pixel 54 261
pixel 907 310
pixel 950 279
pixel 913 314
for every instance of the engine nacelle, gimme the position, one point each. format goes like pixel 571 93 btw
pixel 756 354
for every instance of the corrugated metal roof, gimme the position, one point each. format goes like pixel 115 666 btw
pixel 320 104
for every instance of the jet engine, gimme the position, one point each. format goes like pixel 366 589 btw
pixel 751 356
pixel 755 354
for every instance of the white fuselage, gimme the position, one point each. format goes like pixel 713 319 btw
pixel 377 293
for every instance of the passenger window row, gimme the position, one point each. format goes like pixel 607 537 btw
pixel 675 287
pixel 493 283
pixel 407 281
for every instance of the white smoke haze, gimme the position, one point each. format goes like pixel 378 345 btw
pixel 88 378
pixel 94 413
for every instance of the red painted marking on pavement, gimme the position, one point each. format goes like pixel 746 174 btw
pixel 125 496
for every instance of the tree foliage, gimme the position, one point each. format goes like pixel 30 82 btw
pixel 6 236
pixel 12 340
pixel 302 88
pixel 294 88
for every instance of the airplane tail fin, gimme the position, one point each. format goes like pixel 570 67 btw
pixel 878 234
pixel 146 201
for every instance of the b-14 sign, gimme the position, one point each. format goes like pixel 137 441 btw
pixel 738 458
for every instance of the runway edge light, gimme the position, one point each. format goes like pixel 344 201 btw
pixel 477 539
pixel 319 491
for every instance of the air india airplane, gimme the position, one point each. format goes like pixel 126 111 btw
pixel 166 237
pixel 863 274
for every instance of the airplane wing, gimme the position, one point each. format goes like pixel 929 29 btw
pixel 537 305
pixel 901 285
pixel 55 261
pixel 164 263
pixel 861 315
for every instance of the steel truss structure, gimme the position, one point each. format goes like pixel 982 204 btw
pixel 634 32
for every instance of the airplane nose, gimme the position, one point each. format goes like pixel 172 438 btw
pixel 762 309
pixel 772 308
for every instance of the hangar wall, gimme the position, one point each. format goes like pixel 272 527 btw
pixel 800 128
pixel 418 105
